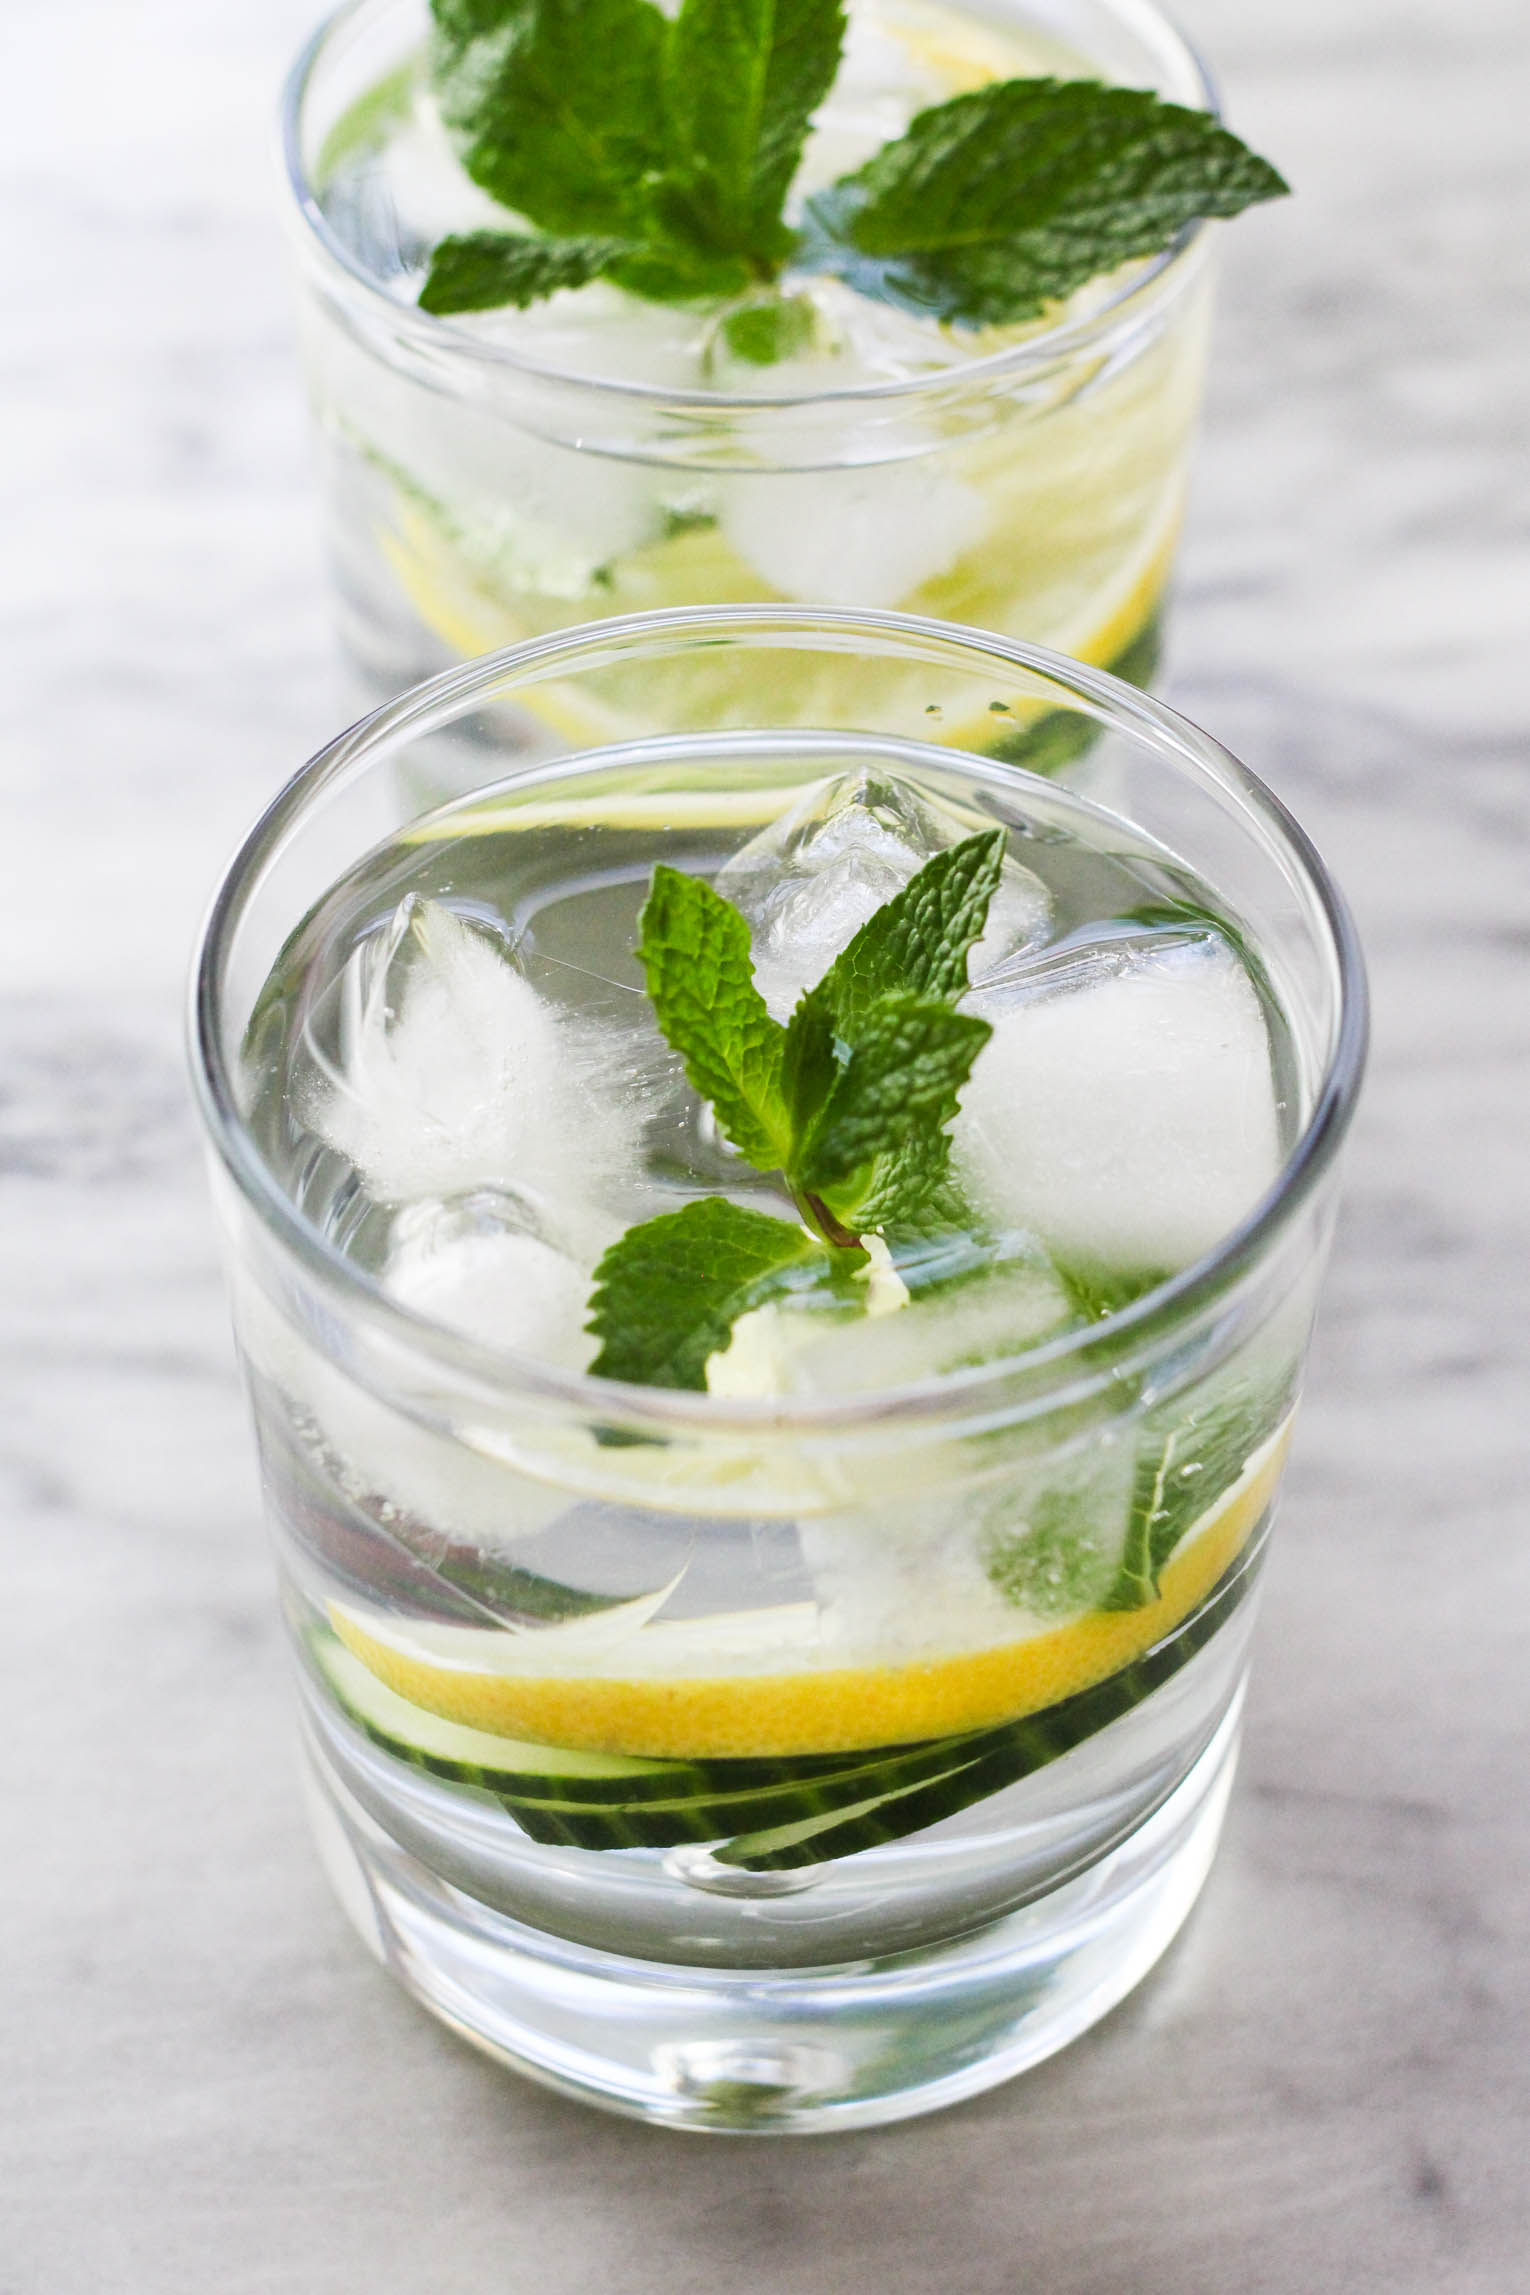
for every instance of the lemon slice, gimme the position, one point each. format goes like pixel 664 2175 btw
pixel 675 1695
pixel 1058 596
pixel 956 53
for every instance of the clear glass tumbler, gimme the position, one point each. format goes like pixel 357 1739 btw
pixel 481 492
pixel 598 1767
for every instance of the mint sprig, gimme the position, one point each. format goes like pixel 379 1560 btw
pixel 848 1105
pixel 660 153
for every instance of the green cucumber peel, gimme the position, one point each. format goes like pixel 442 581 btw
pixel 763 1815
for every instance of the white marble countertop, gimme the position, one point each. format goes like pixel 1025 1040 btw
pixel 206 2085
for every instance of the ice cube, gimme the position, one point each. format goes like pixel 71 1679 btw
pixel 1040 1543
pixel 412 1477
pixel 809 881
pixel 453 1074
pixel 809 1347
pixel 1125 1108
pixel 523 511
pixel 485 1264
pixel 601 332
pixel 878 88
pixel 1019 919
pixel 903 1579
pixel 862 537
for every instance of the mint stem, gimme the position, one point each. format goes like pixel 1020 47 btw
pixel 818 1215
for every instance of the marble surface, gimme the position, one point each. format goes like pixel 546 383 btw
pixel 206 2085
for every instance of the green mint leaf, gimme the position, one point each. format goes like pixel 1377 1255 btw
pixel 760 334
pixel 1137 1579
pixel 458 22
pixel 919 940
pixel 810 1059
pixel 911 1056
pixel 1096 1291
pixel 667 270
pixel 694 948
pixel 742 80
pixel 668 1294
pixel 997 203
pixel 1063 1560
pixel 909 1187
pixel 484 270
pixel 1186 1467
pixel 557 106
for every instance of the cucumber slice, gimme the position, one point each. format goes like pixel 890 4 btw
pixel 603 1800
pixel 645 1826
pixel 718 1816
pixel 769 1816
pixel 992 1759
pixel 503 1765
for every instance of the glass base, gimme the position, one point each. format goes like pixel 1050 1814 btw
pixel 799 2051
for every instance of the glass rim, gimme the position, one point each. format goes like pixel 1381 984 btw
pixel 1101 328
pixel 1093 1352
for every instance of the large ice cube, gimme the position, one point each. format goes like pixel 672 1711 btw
pixel 486 1265
pixel 864 537
pixel 452 1074
pixel 978 1566
pixel 903 1580
pixel 806 1348
pixel 1125 1107
pixel 810 881
pixel 521 510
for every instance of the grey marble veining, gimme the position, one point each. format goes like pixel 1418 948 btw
pixel 206 2086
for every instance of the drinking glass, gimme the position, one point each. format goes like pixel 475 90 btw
pixel 588 1769
pixel 480 492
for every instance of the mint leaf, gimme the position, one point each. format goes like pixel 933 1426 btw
pixel 999 202
pixel 668 1294
pixel 484 270
pixel 916 943
pixel 910 1187
pixel 600 119
pixel 911 1056
pixel 919 940
pixel 776 327
pixel 694 948
pixel 557 106
pixel 1096 1291
pixel 810 1060
pixel 666 270
pixel 1137 1579
pixel 1185 1468
pixel 1062 1561
pixel 742 80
